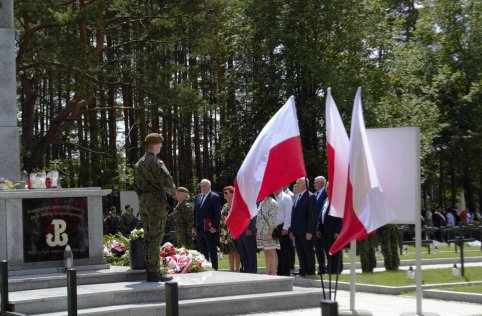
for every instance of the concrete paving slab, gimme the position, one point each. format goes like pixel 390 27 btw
pixel 389 305
pixel 191 286
pixel 232 305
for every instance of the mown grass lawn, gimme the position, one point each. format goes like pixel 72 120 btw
pixel 224 263
pixel 443 252
pixel 470 288
pixel 399 278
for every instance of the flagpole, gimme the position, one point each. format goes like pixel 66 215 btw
pixel 418 263
pixel 418 234
pixel 352 274
pixel 418 238
pixel 352 310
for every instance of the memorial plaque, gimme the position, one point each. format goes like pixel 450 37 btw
pixel 50 224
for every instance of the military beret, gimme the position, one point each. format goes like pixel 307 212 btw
pixel 154 138
pixel 127 206
pixel 112 207
pixel 183 189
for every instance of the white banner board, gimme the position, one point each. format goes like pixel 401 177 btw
pixel 396 154
pixel 131 198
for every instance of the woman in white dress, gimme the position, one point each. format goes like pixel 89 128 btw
pixel 265 224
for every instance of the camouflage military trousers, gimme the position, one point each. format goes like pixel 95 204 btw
pixel 153 214
pixel 367 253
pixel 184 233
pixel 389 243
pixel 184 237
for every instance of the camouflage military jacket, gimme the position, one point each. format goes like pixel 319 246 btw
pixel 183 213
pixel 127 223
pixel 151 176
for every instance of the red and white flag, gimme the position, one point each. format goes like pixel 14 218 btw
pixel 274 160
pixel 338 147
pixel 366 207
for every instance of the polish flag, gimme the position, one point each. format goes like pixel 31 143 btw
pixel 338 147
pixel 274 160
pixel 366 207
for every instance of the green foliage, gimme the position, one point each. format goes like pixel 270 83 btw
pixel 123 180
pixel 209 74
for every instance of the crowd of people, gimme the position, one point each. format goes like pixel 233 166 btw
pixel 441 219
pixel 287 222
pixel 451 216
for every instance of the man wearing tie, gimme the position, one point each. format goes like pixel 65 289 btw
pixel 328 229
pixel 207 214
pixel 303 227
pixel 320 196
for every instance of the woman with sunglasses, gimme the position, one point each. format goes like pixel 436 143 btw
pixel 228 245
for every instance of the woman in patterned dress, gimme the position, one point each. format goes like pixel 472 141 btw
pixel 265 224
pixel 228 245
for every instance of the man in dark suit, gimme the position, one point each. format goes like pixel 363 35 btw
pixel 320 196
pixel 328 229
pixel 207 214
pixel 246 243
pixel 302 227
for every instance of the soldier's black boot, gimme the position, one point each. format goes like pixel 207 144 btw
pixel 153 277
pixel 156 277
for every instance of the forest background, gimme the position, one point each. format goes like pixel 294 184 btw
pixel 96 76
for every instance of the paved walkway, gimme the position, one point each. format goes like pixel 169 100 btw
pixel 394 305
pixel 391 305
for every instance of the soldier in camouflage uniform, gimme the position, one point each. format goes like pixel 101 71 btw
pixel 111 222
pixel 367 248
pixel 389 242
pixel 128 221
pixel 152 183
pixel 183 218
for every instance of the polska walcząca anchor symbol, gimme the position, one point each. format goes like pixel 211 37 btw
pixel 60 238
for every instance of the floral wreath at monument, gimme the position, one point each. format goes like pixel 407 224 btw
pixel 182 260
pixel 173 260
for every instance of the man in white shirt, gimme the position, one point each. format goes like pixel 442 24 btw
pixel 287 190
pixel 285 205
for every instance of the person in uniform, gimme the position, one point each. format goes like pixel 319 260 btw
pixel 389 244
pixel 128 221
pixel 367 248
pixel 183 218
pixel 153 183
pixel 112 222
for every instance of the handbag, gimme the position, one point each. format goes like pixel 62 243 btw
pixel 277 231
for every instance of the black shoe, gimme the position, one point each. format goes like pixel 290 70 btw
pixel 166 277
pixel 158 277
pixel 321 271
